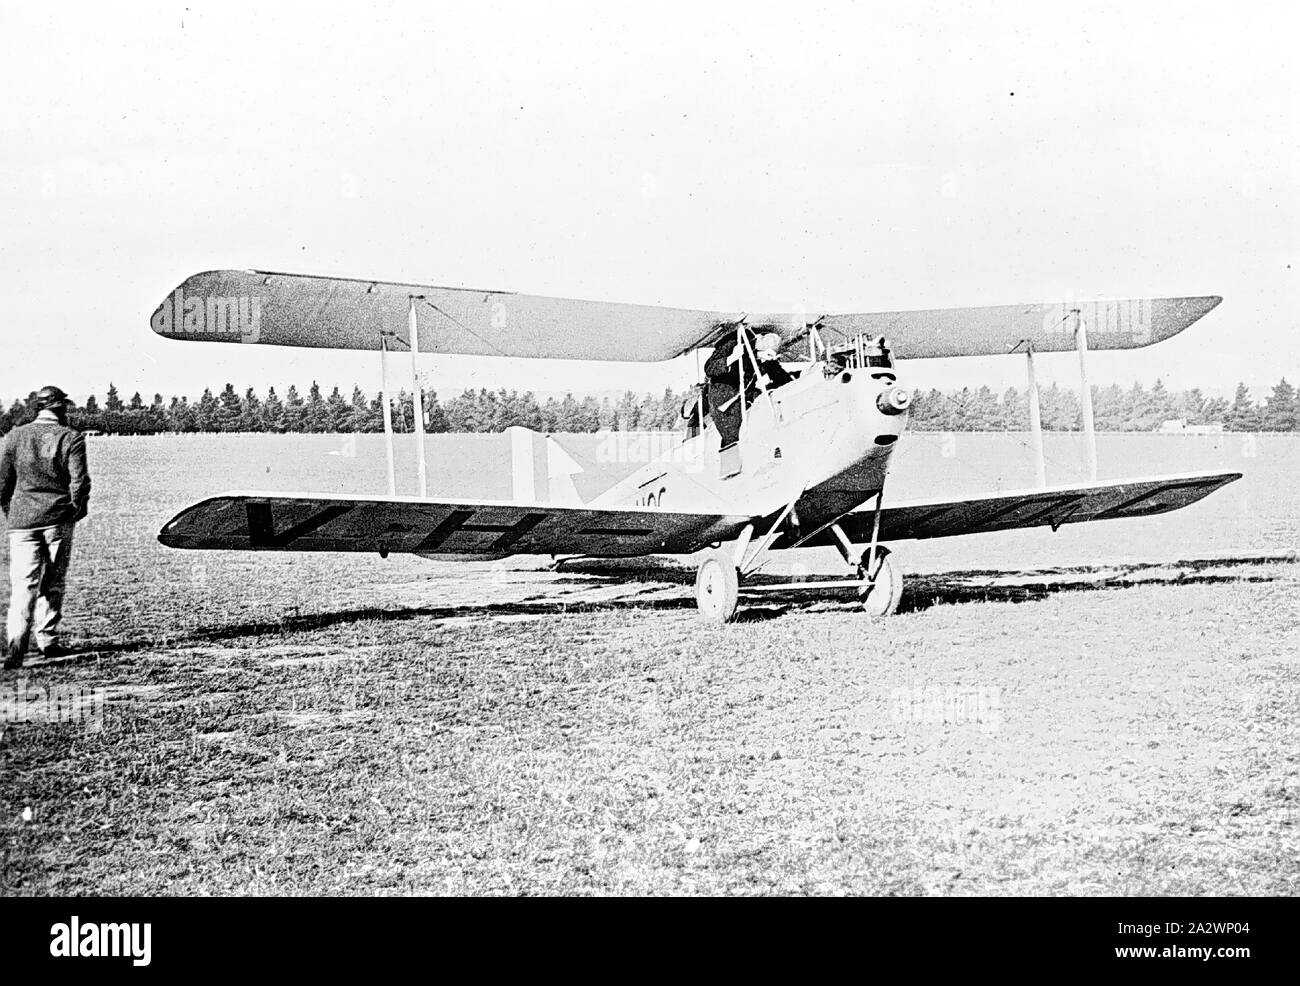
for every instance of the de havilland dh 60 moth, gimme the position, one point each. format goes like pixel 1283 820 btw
pixel 787 441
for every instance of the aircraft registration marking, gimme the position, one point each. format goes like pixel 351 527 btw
pixel 261 524
pixel 458 520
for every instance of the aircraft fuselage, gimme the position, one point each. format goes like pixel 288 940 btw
pixel 824 440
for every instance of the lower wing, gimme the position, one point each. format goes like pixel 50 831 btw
pixel 1031 508
pixel 322 522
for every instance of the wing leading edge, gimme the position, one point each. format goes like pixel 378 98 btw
pixel 268 308
pixel 317 522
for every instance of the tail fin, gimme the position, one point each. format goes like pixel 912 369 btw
pixel 540 470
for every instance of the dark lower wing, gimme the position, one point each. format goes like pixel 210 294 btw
pixel 1032 508
pixel 312 522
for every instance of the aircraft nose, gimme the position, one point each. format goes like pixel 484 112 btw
pixel 893 400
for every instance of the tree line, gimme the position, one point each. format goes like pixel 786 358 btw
pixel 1115 408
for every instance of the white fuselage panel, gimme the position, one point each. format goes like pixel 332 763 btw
pixel 822 440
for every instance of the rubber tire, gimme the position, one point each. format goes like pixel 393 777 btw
pixel 881 599
pixel 717 587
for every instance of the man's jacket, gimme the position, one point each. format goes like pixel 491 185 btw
pixel 43 476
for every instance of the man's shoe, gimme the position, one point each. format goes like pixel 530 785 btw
pixel 55 650
pixel 13 658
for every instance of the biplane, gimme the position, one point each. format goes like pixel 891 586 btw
pixel 786 442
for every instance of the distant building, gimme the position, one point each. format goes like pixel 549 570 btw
pixel 1179 426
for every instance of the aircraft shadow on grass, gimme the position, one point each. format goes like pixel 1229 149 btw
pixel 924 591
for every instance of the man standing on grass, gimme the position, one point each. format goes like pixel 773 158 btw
pixel 44 491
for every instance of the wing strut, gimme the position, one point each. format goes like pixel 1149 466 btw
pixel 385 400
pixel 385 397
pixel 414 327
pixel 1036 421
pixel 1085 393
pixel 1085 401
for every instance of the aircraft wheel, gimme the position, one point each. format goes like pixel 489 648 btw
pixel 880 598
pixel 717 587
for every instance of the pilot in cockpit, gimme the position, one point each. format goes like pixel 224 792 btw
pixel 767 348
pixel 723 375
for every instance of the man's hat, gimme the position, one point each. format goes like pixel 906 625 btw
pixel 50 397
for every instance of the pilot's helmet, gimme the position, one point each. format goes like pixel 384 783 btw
pixel 768 345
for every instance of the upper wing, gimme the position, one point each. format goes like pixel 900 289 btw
pixel 322 522
pixel 1031 508
pixel 1048 327
pixel 342 313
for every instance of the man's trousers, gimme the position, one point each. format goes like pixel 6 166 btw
pixel 38 568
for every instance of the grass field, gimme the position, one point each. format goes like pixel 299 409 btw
pixel 1108 710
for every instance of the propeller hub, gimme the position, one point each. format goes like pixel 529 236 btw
pixel 893 400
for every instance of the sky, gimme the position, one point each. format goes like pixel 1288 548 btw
pixel 750 157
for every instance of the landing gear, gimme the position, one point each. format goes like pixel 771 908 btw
pixel 718 583
pixel 879 596
pixel 717 587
